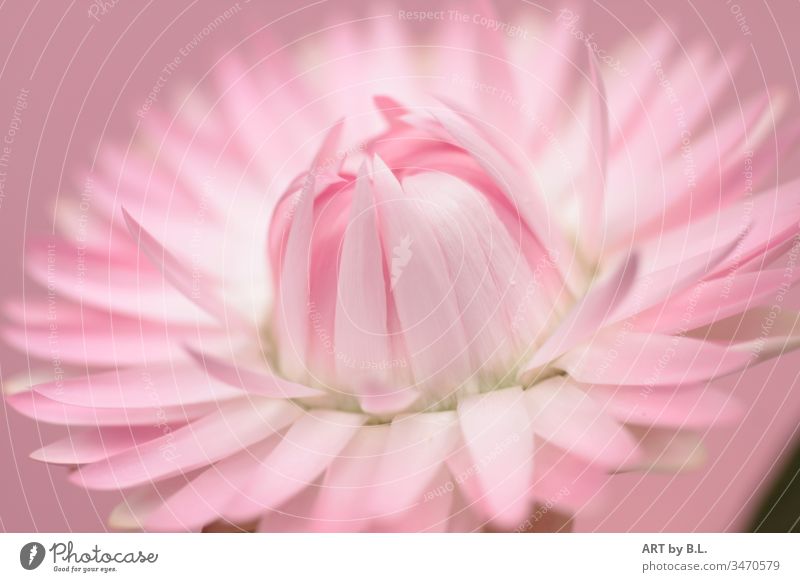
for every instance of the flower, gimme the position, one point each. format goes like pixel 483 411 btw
pixel 461 308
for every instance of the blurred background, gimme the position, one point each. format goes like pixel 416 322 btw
pixel 85 67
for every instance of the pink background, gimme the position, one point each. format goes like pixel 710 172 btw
pixel 86 80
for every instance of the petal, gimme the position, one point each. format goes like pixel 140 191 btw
pixel 565 480
pixel 132 513
pixel 653 287
pixel 360 335
pixel 307 449
pixel 292 312
pixel 140 388
pixel 92 445
pixel 594 173
pixel 586 317
pixel 416 449
pixel 430 514
pixel 650 360
pixel 764 332
pixel 109 280
pixel 668 450
pixel 293 516
pixel 497 432
pixel 678 407
pixel 186 281
pixel 709 301
pixel 256 382
pixel 85 336
pixel 500 317
pixel 564 415
pixel 230 428
pixel 426 307
pixel 349 480
pixel 39 407
pixel 381 399
pixel 518 190
pixel 204 498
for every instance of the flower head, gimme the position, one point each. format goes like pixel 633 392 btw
pixel 431 300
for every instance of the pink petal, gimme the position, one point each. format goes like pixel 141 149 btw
pixel 230 428
pixel 497 432
pixel 134 388
pixel 710 301
pixel 183 279
pixel 203 499
pixel 518 190
pixel 426 306
pixel 764 332
pixel 92 445
pixel 257 382
pixel 431 514
pixel 381 399
pixel 678 407
pixel 109 281
pixel 586 317
pixel 651 288
pixel 292 313
pixel 349 480
pixel 665 449
pixel 484 264
pixel 651 360
pixel 307 449
pixel 85 336
pixel 416 449
pixel 293 516
pixel 360 335
pixel 567 417
pixel 132 513
pixel 564 480
pixel 43 409
pixel 593 182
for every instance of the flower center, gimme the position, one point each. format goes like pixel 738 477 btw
pixel 405 276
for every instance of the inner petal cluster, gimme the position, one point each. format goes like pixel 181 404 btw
pixel 405 274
